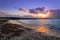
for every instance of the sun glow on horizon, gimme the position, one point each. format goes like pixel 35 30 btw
pixel 41 15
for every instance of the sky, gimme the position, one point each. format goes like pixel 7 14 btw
pixel 12 6
pixel 27 4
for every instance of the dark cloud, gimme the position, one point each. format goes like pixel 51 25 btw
pixel 21 9
pixel 36 10
pixel 40 9
pixel 32 11
pixel 55 13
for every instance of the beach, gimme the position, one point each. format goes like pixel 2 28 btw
pixel 12 31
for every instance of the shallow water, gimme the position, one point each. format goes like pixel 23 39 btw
pixel 55 22
pixel 52 25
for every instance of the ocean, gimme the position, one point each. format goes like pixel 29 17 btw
pixel 43 22
pixel 52 25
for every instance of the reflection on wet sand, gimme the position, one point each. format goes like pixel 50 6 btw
pixel 46 31
pixel 42 29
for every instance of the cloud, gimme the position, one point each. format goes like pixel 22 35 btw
pixel 5 13
pixel 55 13
pixel 21 9
pixel 40 9
pixel 36 10
pixel 32 11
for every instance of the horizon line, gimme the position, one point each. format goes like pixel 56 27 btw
pixel 19 18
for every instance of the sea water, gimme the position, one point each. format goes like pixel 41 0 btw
pixel 52 25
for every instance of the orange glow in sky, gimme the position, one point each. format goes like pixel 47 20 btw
pixel 42 15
